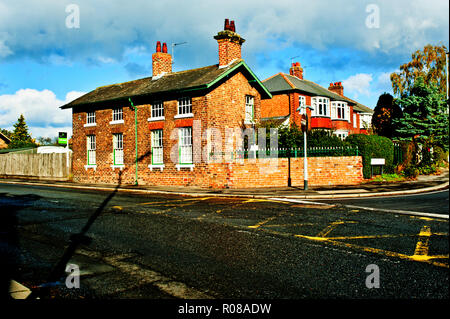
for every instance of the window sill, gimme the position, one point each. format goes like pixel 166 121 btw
pixel 117 122
pixel 180 166
pixel 90 124
pixel 121 166
pixel 336 119
pixel 249 121
pixel 156 166
pixel 183 116
pixel 94 166
pixel 154 119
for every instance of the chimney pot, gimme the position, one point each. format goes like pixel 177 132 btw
pixel 232 26
pixel 164 48
pixel 227 24
pixel 158 46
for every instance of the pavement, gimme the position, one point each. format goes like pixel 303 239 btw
pixel 423 183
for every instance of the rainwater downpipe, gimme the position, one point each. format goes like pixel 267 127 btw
pixel 135 138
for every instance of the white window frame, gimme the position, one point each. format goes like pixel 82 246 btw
pixel 340 111
pixel 185 148
pixel 157 148
pixel 184 108
pixel 90 119
pixel 301 101
pixel 321 106
pixel 341 134
pixel 118 159
pixel 355 124
pixel 157 111
pixel 91 147
pixel 117 116
pixel 249 117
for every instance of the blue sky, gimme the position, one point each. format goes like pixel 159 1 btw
pixel 45 62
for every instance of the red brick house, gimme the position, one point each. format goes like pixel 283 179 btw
pixel 331 109
pixel 164 113
pixel 4 141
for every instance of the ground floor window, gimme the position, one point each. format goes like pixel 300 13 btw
pixel 157 147
pixel 118 149
pixel 341 134
pixel 185 145
pixel 91 147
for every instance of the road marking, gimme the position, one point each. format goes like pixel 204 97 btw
pixel 263 222
pixel 421 250
pixel 299 201
pixel 402 212
pixel 146 276
pixel 290 225
pixel 428 259
pixel 332 226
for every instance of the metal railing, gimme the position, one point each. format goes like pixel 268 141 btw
pixel 290 152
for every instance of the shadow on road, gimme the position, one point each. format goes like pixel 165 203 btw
pixel 9 238
pixel 59 270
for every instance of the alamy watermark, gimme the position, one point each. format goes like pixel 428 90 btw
pixel 73 17
pixel 373 19
pixel 373 279
pixel 73 279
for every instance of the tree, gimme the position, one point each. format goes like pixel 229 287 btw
pixel 5 132
pixel 20 136
pixel 428 64
pixel 425 116
pixel 384 114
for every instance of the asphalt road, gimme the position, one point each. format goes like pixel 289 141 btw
pixel 433 202
pixel 160 246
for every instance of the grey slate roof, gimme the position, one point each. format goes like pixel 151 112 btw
pixel 282 82
pixel 170 82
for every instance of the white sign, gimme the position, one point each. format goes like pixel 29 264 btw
pixel 377 161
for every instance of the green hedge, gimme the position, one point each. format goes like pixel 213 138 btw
pixel 373 146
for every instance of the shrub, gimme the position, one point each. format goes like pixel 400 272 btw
pixel 373 146
pixel 439 155
pixel 410 171
pixel 428 169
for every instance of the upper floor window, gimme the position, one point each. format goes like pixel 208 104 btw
pixel 340 111
pixel 185 106
pixel 320 106
pixel 302 103
pixel 117 114
pixel 90 117
pixel 249 108
pixel 158 110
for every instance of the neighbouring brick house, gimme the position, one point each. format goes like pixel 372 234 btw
pixel 331 109
pixel 4 141
pixel 168 107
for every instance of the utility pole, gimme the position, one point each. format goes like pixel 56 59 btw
pixel 305 146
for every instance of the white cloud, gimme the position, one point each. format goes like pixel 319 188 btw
pixel 108 29
pixel 40 109
pixel 358 84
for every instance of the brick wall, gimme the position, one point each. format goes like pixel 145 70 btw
pixel 321 171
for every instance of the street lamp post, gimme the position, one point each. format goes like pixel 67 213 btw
pixel 305 155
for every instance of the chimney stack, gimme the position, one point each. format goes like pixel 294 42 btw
pixel 229 43
pixel 161 60
pixel 296 70
pixel 337 88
